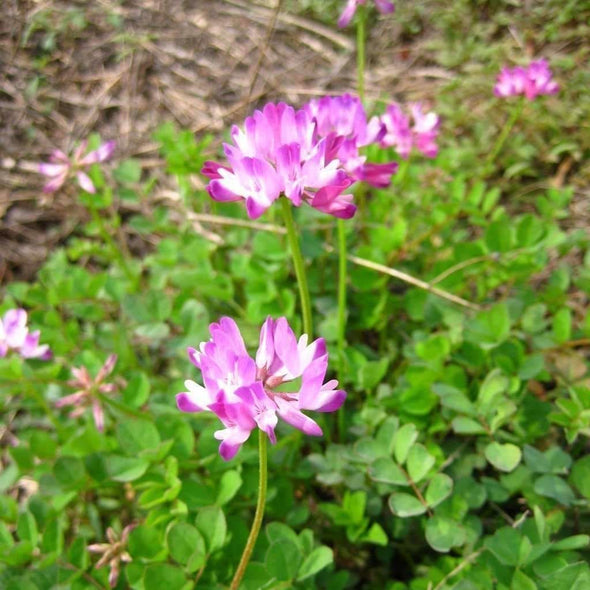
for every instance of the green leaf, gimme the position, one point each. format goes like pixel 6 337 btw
pixel 404 438
pixel 316 561
pixel 6 539
pixel 505 545
pixel 495 383
pixel 8 476
pixel 464 425
pixel 385 470
pixel 128 171
pixel 453 398
pixel 580 475
pixel 499 236
pixel 19 554
pixel 354 504
pixel 137 391
pixel 375 535
pixel 70 472
pixel 212 525
pixel 154 331
pixel 571 543
pixel 43 445
pixel 145 542
pixel 504 457
pixel 472 492
pixel 125 469
pixel 276 531
pixel 492 326
pixel 185 545
pixel 405 505
pixel 162 575
pixel 439 488
pixel 444 533
pixel 26 528
pixel 520 581
pixel 135 436
pixel 53 538
pixel 552 486
pixel 282 559
pixel 230 483
pixel 562 325
pixel 178 430
pixel 553 460
pixel 419 462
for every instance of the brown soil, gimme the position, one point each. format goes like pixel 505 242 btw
pixel 122 68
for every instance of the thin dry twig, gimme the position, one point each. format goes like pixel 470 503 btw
pixel 406 278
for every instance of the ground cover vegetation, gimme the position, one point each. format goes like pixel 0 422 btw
pixel 381 280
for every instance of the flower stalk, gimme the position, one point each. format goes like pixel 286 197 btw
pixel 516 112
pixel 299 267
pixel 258 515
pixel 360 51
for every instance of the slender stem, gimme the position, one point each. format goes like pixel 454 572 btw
pixel 516 112
pixel 299 267
pixel 235 583
pixel 115 249
pixel 341 312
pixel 360 51
pixel 341 290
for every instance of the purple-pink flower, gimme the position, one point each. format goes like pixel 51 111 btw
pixel 89 390
pixel 246 393
pixel 15 335
pixel 279 152
pixel 532 81
pixel 422 134
pixel 383 6
pixel 60 167
pixel 310 155
pixel 344 118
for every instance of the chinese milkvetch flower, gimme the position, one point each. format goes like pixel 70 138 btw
pixel 425 130
pixel 89 388
pixel 14 335
pixel 539 80
pixel 344 117
pixel 532 81
pixel 402 136
pixel 245 393
pixel 60 167
pixel 280 152
pixel 383 6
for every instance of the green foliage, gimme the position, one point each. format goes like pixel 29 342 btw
pixel 460 459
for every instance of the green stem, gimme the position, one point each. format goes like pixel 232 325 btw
pixel 341 312
pixel 360 51
pixel 115 249
pixel 516 112
pixel 235 583
pixel 299 267
pixel 122 407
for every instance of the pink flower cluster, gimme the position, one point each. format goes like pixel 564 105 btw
pixel 60 167
pixel 245 393
pixel 383 6
pixel 403 136
pixel 14 335
pixel 344 118
pixel 310 155
pixel 532 81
